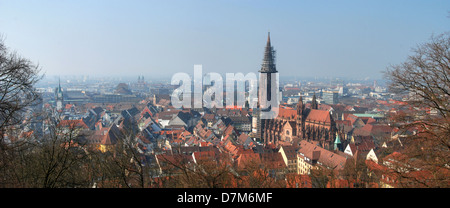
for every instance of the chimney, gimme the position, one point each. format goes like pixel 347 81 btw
pixel 315 156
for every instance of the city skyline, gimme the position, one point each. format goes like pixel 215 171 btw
pixel 183 94
pixel 158 39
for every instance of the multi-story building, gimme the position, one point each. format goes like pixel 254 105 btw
pixel 303 123
pixel 330 97
pixel 310 156
pixel 289 154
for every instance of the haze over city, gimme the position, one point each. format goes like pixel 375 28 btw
pixel 352 39
pixel 225 94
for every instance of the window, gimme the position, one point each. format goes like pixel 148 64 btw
pixel 287 132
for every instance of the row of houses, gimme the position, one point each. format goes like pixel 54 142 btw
pixel 189 137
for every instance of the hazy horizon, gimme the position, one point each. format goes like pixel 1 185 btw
pixel 352 39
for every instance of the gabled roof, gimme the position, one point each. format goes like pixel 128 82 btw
pixel 323 156
pixel 146 110
pixel 209 117
pixel 319 115
pixel 377 129
pixel 229 130
pixel 368 120
pixel 272 160
pixel 167 115
pixel 112 136
pixel 203 156
pixel 360 132
pixel 325 107
pixel 287 113
pixel 246 159
pixel 242 138
pixel 290 152
pixel 350 117
pixel 73 124
pixel 363 146
pixel 292 125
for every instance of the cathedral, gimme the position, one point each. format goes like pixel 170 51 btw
pixel 292 125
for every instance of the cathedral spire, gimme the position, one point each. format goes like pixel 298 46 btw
pixel 300 106
pixel 59 90
pixel 268 65
pixel 59 96
pixel 314 104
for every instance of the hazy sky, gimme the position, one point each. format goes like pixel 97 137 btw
pixel 159 38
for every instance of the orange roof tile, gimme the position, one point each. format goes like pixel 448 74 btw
pixel 73 123
pixel 287 113
pixel 319 115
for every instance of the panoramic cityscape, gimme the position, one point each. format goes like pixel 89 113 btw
pixel 218 121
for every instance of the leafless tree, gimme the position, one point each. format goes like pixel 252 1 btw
pixel 57 160
pixel 205 173
pixel 356 172
pixel 425 76
pixel 17 78
pixel 320 177
pixel 258 174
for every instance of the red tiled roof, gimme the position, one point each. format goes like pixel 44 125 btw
pixel 373 166
pixel 73 123
pixel 350 117
pixel 203 156
pixel 287 113
pixel 242 138
pixel 360 132
pixel 273 160
pixel 246 159
pixel 327 158
pixel 377 128
pixel 228 130
pixel 368 120
pixel 209 116
pixel 112 136
pixel 319 115
pixel 343 122
pixel 146 110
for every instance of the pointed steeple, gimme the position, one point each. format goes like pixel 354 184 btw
pixel 59 85
pixel 300 106
pixel 314 104
pixel 337 143
pixel 59 90
pixel 268 64
pixel 59 96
